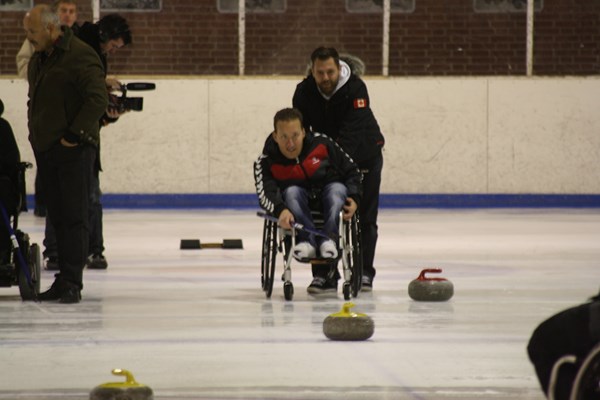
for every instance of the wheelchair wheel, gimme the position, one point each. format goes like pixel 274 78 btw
pixel 587 382
pixel 356 257
pixel 269 256
pixel 288 291
pixel 31 255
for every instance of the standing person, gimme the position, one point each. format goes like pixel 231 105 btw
pixel 106 36
pixel 293 166
pixel 574 331
pixel 334 101
pixel 67 13
pixel 67 97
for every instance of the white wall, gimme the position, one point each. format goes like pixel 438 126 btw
pixel 444 135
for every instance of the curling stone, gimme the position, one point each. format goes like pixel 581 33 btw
pixel 346 325
pixel 430 289
pixel 128 390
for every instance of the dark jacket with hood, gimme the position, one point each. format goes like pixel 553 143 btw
pixel 90 34
pixel 346 117
pixel 67 94
pixel 320 162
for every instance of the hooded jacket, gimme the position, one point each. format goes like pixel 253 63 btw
pixel 67 94
pixel 346 116
pixel 320 162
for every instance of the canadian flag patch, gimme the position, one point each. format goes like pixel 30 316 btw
pixel 360 103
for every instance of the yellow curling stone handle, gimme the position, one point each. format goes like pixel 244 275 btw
pixel 346 313
pixel 130 381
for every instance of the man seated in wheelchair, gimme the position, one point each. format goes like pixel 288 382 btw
pixel 9 188
pixel 295 166
pixel 572 332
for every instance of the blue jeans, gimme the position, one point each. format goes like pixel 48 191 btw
pixel 333 196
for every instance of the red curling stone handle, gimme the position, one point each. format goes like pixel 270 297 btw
pixel 422 276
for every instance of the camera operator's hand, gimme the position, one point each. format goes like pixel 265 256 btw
pixel 113 113
pixel 112 84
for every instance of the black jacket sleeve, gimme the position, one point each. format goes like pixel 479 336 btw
pixel 269 195
pixel 299 101
pixel 359 133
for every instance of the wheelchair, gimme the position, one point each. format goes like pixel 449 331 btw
pixel 19 260
pixel 586 385
pixel 277 240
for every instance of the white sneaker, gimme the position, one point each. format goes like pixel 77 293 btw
pixel 304 250
pixel 328 249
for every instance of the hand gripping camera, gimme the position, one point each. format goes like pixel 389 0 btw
pixel 123 103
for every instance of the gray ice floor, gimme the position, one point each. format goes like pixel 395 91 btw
pixel 196 324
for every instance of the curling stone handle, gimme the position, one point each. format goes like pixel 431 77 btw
pixel 422 276
pixel 129 379
pixel 346 307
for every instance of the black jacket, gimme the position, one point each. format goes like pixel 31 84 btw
pixel 346 117
pixel 9 171
pixel 67 94
pixel 90 34
pixel 321 162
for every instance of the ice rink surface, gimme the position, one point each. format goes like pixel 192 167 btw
pixel 195 324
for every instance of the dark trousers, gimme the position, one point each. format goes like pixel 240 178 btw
pixel 96 238
pixel 39 193
pixel 65 175
pixel 368 211
pixel 96 244
pixel 569 332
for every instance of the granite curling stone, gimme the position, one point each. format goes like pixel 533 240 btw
pixel 430 289
pixel 346 325
pixel 128 390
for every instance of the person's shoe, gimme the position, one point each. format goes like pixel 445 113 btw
pixel 61 291
pixel 39 211
pixel 321 285
pixel 52 294
pixel 71 295
pixel 97 261
pixel 367 284
pixel 328 249
pixel 52 264
pixel 304 250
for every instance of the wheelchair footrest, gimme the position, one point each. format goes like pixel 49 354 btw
pixel 316 261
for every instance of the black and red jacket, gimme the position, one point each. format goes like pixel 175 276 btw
pixel 320 162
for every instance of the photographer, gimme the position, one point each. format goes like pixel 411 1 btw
pixel 106 36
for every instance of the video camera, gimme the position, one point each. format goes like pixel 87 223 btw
pixel 123 103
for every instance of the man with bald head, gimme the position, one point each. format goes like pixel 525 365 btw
pixel 67 13
pixel 67 97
